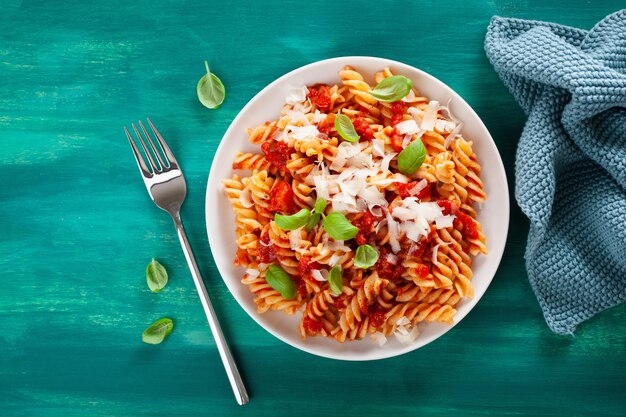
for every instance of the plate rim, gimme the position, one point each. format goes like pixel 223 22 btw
pixel 499 251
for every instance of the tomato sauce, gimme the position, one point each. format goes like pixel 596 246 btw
pixel 281 198
pixel 396 141
pixel 469 226
pixel 277 154
pixel 340 302
pixel 326 125
pixel 365 224
pixel 300 286
pixel 405 190
pixel 422 270
pixel 319 94
pixel 387 269
pixel 397 112
pixel 448 206
pixel 363 128
pixel 266 249
pixel 377 316
pixel 312 326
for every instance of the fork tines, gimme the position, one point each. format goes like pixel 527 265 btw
pixel 159 160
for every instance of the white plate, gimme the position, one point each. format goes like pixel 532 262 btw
pixel 265 106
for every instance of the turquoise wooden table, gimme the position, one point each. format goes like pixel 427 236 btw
pixel 78 228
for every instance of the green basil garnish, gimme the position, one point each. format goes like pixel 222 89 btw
pixel 392 88
pixel 320 206
pixel 156 276
pixel 280 281
pixel 293 222
pixel 313 221
pixel 411 157
pixel 365 257
pixel 157 331
pixel 338 227
pixel 345 128
pixel 335 279
pixel 211 91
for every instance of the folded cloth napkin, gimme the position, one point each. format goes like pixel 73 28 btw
pixel 570 165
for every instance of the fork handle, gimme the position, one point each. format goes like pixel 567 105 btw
pixel 239 389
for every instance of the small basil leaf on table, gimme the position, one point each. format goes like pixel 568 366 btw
pixel 365 256
pixel 293 222
pixel 411 157
pixel 338 227
pixel 313 221
pixel 392 89
pixel 158 331
pixel 156 276
pixel 335 279
pixel 320 205
pixel 345 128
pixel 211 91
pixel 278 279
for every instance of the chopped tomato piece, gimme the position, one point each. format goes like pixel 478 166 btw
pixel 397 111
pixel 365 224
pixel 312 326
pixel 277 153
pixel 281 198
pixel 405 190
pixel 387 269
pixel 469 225
pixel 266 249
pixel 363 128
pixel 448 206
pixel 319 94
pixel 377 317
pixel 396 141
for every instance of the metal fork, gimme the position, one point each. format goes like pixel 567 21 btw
pixel 166 185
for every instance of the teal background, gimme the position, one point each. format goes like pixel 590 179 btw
pixel 77 227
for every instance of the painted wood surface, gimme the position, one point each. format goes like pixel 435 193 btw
pixel 77 228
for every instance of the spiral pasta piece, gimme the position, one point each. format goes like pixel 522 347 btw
pixel 359 89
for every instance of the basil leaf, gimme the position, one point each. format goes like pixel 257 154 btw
pixel 335 279
pixel 412 157
pixel 157 331
pixel 365 257
pixel 338 227
pixel 320 205
pixel 392 88
pixel 293 222
pixel 345 128
pixel 313 221
pixel 211 91
pixel 280 281
pixel 156 276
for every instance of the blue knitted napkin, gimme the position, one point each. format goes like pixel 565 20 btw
pixel 570 165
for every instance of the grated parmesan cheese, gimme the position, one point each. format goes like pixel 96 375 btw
pixel 378 147
pixel 418 187
pixel 430 116
pixel 406 336
pixel 296 95
pixel 379 338
pixel 319 274
pixel 441 222
pixel 252 273
pixel 246 198
pixel 407 127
